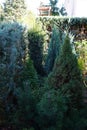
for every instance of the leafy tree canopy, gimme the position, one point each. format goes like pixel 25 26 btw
pixel 14 9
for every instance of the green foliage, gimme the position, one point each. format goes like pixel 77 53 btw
pixel 62 11
pixel 12 52
pixel 77 120
pixel 14 9
pixel 55 10
pixel 2 112
pixel 29 74
pixel 36 40
pixel 35 104
pixel 81 50
pixel 66 75
pixel 63 22
pixel 26 107
pixel 29 19
pixel 1 13
pixel 28 96
pixel 51 109
pixel 12 55
pixel 55 45
pixel 81 63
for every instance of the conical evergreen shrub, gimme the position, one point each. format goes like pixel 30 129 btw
pixel 51 109
pixel 36 40
pixel 30 74
pixel 55 44
pixel 66 74
pixel 24 115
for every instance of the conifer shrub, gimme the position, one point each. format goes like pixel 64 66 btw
pixel 66 75
pixel 2 112
pixel 51 109
pixel 54 48
pixel 12 50
pixel 27 96
pixel 76 120
pixel 29 73
pixel 25 114
pixel 12 56
pixel 36 40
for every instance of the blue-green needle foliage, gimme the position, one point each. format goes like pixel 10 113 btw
pixel 66 74
pixel 56 42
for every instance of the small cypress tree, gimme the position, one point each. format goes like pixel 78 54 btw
pixel 24 115
pixel 54 48
pixel 29 73
pixel 66 74
pixel 54 7
pixel 51 109
pixel 36 40
pixel 12 55
pixel 55 10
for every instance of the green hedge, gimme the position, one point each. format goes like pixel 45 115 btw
pixel 62 21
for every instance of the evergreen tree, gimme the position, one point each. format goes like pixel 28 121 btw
pixel 66 74
pixel 54 9
pixel 12 55
pixel 2 112
pixel 55 44
pixel 29 74
pixel 25 114
pixel 14 9
pixel 36 40
pixel 51 110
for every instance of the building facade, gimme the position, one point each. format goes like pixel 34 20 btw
pixel 76 8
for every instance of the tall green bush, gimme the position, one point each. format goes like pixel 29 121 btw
pixel 29 73
pixel 12 50
pixel 66 75
pixel 25 113
pixel 76 120
pixel 27 95
pixel 36 40
pixel 51 109
pixel 12 56
pixel 54 48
